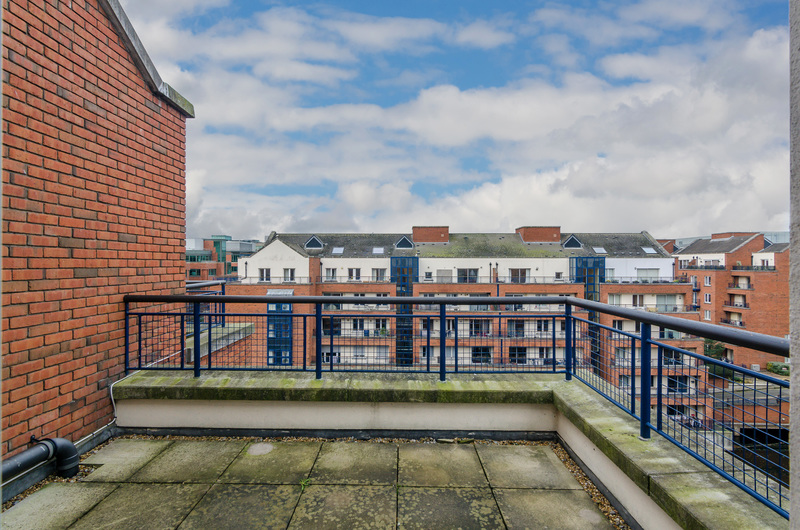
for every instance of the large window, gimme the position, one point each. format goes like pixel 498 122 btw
pixel 288 275
pixel 638 300
pixel 378 275
pixel 264 275
pixel 516 328
pixel 467 275
pixel 358 324
pixel 330 275
pixel 518 355
pixel 707 281
pixel 614 299
pixel 519 275
pixel 707 298
pixel 354 275
pixel 481 355
pixel 331 326
pixel 478 328
pixel 677 384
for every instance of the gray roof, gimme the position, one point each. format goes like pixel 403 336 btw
pixel 353 245
pixel 715 246
pixel 478 245
pixel 777 247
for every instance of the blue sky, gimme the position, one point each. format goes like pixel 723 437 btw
pixel 670 117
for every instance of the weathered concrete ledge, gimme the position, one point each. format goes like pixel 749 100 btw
pixel 658 484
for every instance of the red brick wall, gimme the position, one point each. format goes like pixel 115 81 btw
pixel 93 208
pixel 539 234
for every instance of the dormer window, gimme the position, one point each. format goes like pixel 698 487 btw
pixel 649 250
pixel 572 242
pixel 314 242
pixel 338 251
pixel 599 250
pixel 404 243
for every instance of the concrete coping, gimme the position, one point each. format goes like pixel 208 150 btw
pixel 690 493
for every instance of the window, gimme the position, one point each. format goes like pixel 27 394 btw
pixel 683 263
pixel 314 242
pixel 647 275
pixel 599 250
pixel 330 307
pixel 677 384
pixel 330 275
pixel 609 274
pixel 542 326
pixel 518 275
pixel 707 298
pixel 328 357
pixel 478 328
pixel 288 275
pixel 479 307
pixel 429 276
pixel 381 295
pixel 264 275
pixel 649 250
pixel 377 250
pixel 337 250
pixel 513 307
pixel 559 276
pixel 672 358
pixel 331 326
pixel 707 281
pixel 517 355
pixel 706 315
pixel 617 324
pixel 624 381
pixel 467 275
pixel 516 328
pixel 378 275
pixel 380 326
pixel 281 357
pixel 481 355
pixel 614 299
pixel 194 272
pixel 666 303
pixel 638 300
pixel 358 324
pixel 354 275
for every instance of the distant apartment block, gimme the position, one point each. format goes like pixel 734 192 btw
pixel 216 257
pixel 739 279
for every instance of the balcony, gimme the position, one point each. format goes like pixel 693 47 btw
pixel 753 267
pixel 729 322
pixel 582 350
pixel 745 286
pixel 736 305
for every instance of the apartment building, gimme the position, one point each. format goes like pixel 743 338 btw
pixel 216 257
pixel 628 269
pixel 740 279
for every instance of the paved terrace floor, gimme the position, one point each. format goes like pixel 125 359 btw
pixel 159 483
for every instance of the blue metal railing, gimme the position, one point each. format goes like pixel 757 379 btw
pixel 732 419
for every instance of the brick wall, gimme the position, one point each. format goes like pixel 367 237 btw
pixel 539 234
pixel 430 234
pixel 93 208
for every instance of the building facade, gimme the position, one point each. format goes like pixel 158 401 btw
pixel 216 257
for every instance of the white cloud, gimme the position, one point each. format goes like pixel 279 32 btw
pixel 482 34
pixel 691 137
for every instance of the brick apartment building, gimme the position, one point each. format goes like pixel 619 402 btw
pixel 738 282
pixel 93 208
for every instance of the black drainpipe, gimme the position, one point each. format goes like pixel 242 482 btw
pixel 63 450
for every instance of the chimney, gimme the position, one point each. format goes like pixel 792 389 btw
pixel 431 234
pixel 540 234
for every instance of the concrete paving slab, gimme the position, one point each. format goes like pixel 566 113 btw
pixel 428 508
pixel 351 507
pixel 120 459
pixel 190 461
pixel 273 463
pixel 549 509
pixel 525 466
pixel 355 463
pixel 440 465
pixel 56 505
pixel 236 506
pixel 136 506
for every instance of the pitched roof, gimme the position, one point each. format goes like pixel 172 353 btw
pixel 715 246
pixel 477 245
pixel 122 24
pixel 776 247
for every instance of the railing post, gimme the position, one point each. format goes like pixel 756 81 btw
pixel 568 353
pixel 442 342
pixel 183 340
pixel 644 414
pixel 633 375
pixel 127 338
pixel 141 340
pixel 554 343
pixel 428 341
pixel 196 326
pixel 318 337
pixel 455 344
pixel 659 398
pixel 222 307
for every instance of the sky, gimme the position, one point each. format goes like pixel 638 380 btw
pixel 370 116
